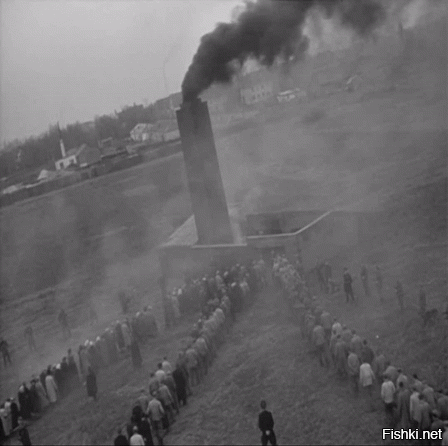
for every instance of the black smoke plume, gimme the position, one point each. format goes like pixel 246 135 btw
pixel 267 29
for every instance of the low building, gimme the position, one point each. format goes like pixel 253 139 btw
pixel 141 132
pixel 259 86
pixel 80 157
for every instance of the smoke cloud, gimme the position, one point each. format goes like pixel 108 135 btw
pixel 412 13
pixel 265 30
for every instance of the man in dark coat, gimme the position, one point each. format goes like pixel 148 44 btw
pixel 181 385
pixel 63 320
pixel 65 378
pixel 72 370
pixel 266 425
pixel 92 388
pixel 4 348
pixel 120 439
pixel 145 431
pixel 24 435
pixel 57 373
pixel 135 353
pixel 347 278
pixel 24 402
pixel 15 413
pixel 34 398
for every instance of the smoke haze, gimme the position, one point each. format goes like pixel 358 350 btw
pixel 265 30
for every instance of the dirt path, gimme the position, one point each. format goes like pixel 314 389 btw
pixel 265 358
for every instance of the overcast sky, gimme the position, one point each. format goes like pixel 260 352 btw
pixel 67 60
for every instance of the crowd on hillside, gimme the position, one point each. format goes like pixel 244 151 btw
pixel 409 402
pixel 58 380
pixel 221 296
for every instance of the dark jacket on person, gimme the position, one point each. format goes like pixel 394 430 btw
pixel 181 384
pixel 265 421
pixel 24 436
pixel 92 388
pixel 121 440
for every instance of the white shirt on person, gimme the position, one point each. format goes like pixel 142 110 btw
pixel 160 375
pixel 388 391
pixel 366 374
pixel 137 440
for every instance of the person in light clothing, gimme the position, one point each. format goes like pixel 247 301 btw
pixel 388 395
pixel 136 439
pixel 166 366
pixel 414 407
pixel 367 378
pixel 156 413
pixel 52 388
pixel 336 328
pixel 160 374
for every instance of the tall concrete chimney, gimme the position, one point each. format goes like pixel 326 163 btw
pixel 204 177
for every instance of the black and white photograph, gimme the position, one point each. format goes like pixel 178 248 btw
pixel 224 222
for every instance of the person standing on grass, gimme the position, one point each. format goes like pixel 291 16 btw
pixel 387 395
pixel 348 280
pixel 156 413
pixel 403 406
pixel 353 370
pixel 24 435
pixel 51 386
pixel 366 379
pixel 120 439
pixel 266 425
pixel 91 385
pixel 367 353
pixel 160 374
pixel 136 439
pixel 4 348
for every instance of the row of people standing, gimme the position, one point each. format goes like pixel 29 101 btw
pixel 408 402
pixel 57 381
pixel 169 387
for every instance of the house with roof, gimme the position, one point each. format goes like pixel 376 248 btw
pixel 141 132
pixel 82 156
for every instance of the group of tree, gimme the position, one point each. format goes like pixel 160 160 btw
pixel 37 151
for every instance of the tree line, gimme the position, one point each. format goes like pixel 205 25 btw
pixel 36 151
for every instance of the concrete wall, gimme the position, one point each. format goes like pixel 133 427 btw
pixel 289 221
pixel 321 239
